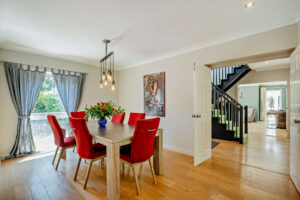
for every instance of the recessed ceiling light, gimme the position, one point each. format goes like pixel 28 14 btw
pixel 249 4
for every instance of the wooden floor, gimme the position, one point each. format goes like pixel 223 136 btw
pixel 234 172
pixel 266 148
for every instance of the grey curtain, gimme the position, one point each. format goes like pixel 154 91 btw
pixel 70 87
pixel 24 86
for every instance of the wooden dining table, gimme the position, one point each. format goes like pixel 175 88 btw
pixel 113 136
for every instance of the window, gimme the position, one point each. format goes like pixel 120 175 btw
pixel 48 102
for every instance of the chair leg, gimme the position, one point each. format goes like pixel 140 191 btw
pixel 77 168
pixel 88 174
pixel 60 155
pixel 141 168
pixel 122 168
pixel 136 180
pixel 152 170
pixel 102 162
pixel 55 155
pixel 74 150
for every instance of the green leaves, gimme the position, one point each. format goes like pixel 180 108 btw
pixel 48 103
pixel 103 110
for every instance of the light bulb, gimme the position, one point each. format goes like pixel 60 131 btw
pixel 249 4
pixel 113 86
pixel 103 76
pixel 101 84
pixel 109 77
pixel 105 82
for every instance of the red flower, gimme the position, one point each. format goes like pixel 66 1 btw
pixel 103 109
pixel 98 104
pixel 95 106
pixel 113 109
pixel 102 103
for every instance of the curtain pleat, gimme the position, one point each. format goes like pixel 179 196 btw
pixel 70 87
pixel 24 86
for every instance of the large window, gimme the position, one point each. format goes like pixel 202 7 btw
pixel 48 102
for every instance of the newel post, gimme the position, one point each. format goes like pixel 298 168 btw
pixel 246 119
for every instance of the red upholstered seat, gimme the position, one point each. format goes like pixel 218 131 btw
pixel 142 146
pixel 59 138
pixel 133 117
pixel 118 118
pixel 79 114
pixel 69 141
pixel 85 148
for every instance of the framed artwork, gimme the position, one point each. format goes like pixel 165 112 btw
pixel 154 94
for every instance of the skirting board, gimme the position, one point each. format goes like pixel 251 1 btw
pixel 190 153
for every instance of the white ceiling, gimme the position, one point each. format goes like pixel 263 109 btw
pixel 141 31
pixel 275 64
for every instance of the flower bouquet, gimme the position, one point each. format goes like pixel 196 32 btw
pixel 101 111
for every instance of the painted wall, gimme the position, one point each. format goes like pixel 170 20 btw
pixel 178 124
pixel 91 92
pixel 250 97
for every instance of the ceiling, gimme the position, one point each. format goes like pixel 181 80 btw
pixel 283 63
pixel 141 31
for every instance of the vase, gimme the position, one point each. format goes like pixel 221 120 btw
pixel 102 122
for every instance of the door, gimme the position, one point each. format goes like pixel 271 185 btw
pixel 262 104
pixel 295 117
pixel 202 114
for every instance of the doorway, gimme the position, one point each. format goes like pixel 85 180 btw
pixel 261 151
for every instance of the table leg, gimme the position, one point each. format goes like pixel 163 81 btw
pixel 113 171
pixel 158 154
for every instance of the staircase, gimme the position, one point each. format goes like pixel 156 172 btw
pixel 229 118
pixel 227 77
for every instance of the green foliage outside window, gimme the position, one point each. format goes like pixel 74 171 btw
pixel 47 101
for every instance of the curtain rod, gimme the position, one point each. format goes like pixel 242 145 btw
pixel 48 68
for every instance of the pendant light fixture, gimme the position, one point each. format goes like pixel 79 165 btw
pixel 107 68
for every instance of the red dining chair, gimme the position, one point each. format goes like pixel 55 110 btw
pixel 60 140
pixel 133 117
pixel 118 118
pixel 79 114
pixel 141 148
pixel 85 147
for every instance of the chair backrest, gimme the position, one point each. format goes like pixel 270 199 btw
pixel 79 114
pixel 82 136
pixel 56 129
pixel 133 117
pixel 142 146
pixel 118 118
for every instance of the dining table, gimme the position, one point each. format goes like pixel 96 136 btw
pixel 113 136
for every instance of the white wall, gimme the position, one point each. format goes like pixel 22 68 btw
pixel 91 92
pixel 178 124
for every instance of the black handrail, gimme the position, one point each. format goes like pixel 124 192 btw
pixel 225 94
